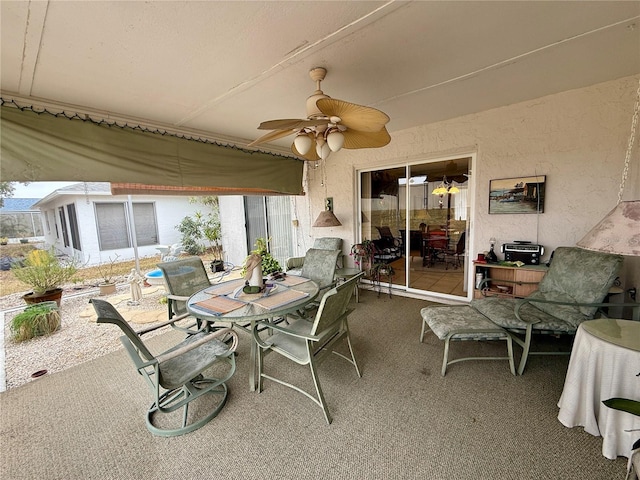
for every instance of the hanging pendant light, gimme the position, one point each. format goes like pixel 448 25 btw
pixel 327 219
pixel 619 231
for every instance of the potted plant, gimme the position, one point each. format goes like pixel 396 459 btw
pixel 44 272
pixel 269 264
pixel 106 269
pixel 38 319
pixel 363 253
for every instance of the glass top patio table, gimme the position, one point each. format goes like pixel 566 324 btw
pixel 288 296
pixel 253 308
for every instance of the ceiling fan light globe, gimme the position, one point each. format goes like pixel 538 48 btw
pixel 335 140
pixel 325 151
pixel 302 143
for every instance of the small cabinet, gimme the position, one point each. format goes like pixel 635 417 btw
pixel 509 282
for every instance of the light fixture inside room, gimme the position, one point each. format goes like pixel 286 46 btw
pixel 619 231
pixel 445 187
pixel 327 217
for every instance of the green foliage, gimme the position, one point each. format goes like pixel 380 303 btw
pixel 363 253
pixel 6 191
pixel 44 271
pixel 38 319
pixel 202 227
pixel 269 264
pixel 624 405
pixel 191 235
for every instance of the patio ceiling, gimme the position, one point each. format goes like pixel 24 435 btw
pixel 221 68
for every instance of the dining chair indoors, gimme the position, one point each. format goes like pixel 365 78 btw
pixel 176 376
pixel 308 343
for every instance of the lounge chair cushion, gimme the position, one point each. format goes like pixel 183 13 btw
pixel 501 312
pixel 461 322
pixel 561 284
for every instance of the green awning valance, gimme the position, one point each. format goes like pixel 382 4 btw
pixel 44 147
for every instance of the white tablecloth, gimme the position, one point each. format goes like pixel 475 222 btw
pixel 599 370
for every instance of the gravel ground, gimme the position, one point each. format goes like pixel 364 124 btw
pixel 79 338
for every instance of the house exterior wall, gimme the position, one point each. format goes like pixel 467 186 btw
pixel 576 138
pixel 170 210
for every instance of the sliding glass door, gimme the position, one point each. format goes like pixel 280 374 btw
pixel 417 217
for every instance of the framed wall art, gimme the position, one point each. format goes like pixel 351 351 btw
pixel 517 195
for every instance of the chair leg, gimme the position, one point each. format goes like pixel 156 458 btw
pixel 321 400
pixel 259 361
pixel 525 349
pixel 353 357
pixel 512 366
pixel 424 323
pixel 185 394
pixel 446 356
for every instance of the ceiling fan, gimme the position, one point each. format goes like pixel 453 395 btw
pixel 331 124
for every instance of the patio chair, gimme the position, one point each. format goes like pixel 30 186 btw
pixel 175 376
pixel 183 278
pixel 307 343
pixel 320 266
pixel 294 264
pixel 571 292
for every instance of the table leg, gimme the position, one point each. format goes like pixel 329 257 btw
pixel 253 360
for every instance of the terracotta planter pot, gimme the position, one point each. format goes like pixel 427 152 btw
pixel 107 288
pixel 54 295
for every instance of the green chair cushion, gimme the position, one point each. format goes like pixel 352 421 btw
pixel 577 276
pixel 501 311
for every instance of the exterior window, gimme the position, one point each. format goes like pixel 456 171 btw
pixel 63 226
pixel 73 226
pixel 114 228
pixel 144 215
pixel 112 225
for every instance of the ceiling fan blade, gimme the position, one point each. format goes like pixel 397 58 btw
pixel 276 134
pixel 354 139
pixel 311 155
pixel 355 117
pixel 289 123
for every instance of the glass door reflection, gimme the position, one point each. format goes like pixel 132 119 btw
pixel 419 226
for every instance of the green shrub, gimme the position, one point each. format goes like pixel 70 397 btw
pixel 43 270
pixel 39 319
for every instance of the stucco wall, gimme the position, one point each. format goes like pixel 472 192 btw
pixel 576 138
